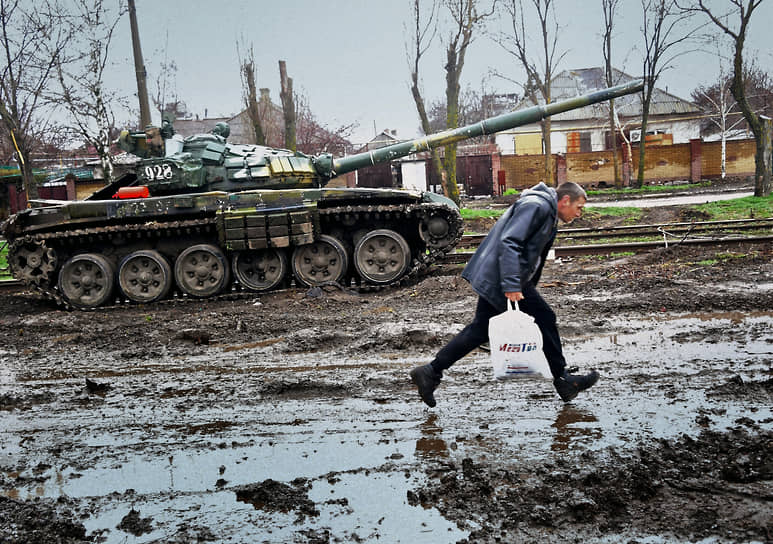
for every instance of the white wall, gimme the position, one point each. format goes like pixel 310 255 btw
pixel 506 142
pixel 414 175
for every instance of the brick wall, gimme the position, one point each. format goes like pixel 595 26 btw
pixel 663 163
pixel 523 170
pixel 739 160
pixel 591 167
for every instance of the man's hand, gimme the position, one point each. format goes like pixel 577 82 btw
pixel 514 296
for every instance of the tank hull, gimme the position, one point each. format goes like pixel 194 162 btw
pixel 85 254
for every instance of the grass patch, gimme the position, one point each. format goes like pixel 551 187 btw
pixel 730 255
pixel 738 208
pixel 647 189
pixel 5 274
pixel 615 211
pixel 569 241
pixel 721 258
pixel 630 214
pixel 468 213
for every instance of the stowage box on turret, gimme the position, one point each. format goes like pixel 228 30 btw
pixel 196 213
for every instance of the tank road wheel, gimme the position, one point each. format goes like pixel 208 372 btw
pixel 201 271
pixel 319 262
pixel 436 231
pixel 260 270
pixel 87 280
pixel 382 256
pixel 32 261
pixel 144 276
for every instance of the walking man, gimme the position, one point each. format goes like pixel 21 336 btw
pixel 507 266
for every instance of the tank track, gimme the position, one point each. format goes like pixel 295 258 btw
pixel 45 285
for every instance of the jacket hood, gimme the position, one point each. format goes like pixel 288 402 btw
pixel 543 191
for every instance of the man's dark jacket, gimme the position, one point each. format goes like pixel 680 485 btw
pixel 514 252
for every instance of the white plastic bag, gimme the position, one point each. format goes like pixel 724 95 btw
pixel 516 345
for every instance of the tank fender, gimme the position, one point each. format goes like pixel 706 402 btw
pixel 434 197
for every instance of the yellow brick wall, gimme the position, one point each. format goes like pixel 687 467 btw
pixel 591 168
pixel 739 160
pixel 666 162
pixel 522 171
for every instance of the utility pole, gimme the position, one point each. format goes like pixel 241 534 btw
pixel 139 66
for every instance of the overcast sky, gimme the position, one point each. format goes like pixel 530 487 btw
pixel 348 56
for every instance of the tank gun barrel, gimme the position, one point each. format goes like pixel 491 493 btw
pixel 329 167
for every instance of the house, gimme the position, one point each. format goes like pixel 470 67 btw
pixel 672 120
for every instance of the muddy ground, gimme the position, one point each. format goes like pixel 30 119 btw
pixel 289 417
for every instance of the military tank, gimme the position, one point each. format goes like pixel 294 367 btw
pixel 194 215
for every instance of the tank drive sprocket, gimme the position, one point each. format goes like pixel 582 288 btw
pixel 32 260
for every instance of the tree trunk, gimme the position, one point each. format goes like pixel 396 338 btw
pixel 723 164
pixel 642 139
pixel 548 172
pixel 288 106
pixel 761 127
pixel 30 186
pixel 452 121
pixel 613 144
pixel 252 103
pixel 628 164
pixel 763 160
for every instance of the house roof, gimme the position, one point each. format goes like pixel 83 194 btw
pixel 572 83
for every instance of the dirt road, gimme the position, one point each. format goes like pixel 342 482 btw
pixel 290 418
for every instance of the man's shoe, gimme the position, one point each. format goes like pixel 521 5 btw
pixel 427 380
pixel 568 385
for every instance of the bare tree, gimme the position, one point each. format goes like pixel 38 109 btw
pixel 468 18
pixel 663 31
pixel 474 106
pixel 758 90
pixel 313 137
pixel 421 39
pixel 761 127
pixel 288 106
pixel 32 39
pixel 718 100
pixel 165 97
pixel 250 92
pixel 82 90
pixel 609 7
pixel 539 67
pixel 621 129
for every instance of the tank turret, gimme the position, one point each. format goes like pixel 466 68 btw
pixel 200 215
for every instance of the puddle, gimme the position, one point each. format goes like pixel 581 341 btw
pixel 351 508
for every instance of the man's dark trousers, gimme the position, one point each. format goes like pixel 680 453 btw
pixel 476 333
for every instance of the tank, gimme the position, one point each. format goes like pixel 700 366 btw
pixel 199 216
